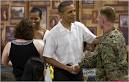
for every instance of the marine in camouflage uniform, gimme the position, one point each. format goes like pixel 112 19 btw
pixel 110 57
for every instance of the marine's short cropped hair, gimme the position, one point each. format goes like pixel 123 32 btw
pixel 36 9
pixel 63 4
pixel 24 30
pixel 109 13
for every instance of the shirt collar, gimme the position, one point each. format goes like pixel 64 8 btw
pixel 62 28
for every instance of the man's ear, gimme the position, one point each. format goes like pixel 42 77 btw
pixel 105 20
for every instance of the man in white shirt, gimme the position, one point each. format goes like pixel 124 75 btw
pixel 64 45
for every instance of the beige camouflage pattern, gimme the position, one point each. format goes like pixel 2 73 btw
pixel 110 58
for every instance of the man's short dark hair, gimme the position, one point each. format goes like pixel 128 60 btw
pixel 63 4
pixel 109 13
pixel 36 9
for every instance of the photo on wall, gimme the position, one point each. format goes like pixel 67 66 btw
pixel 10 33
pixel 17 12
pixel 4 12
pixel 93 30
pixel 123 24
pixel 123 21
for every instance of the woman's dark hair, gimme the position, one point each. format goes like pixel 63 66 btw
pixel 24 30
pixel 36 9
pixel 63 4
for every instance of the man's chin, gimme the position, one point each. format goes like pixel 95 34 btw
pixel 73 21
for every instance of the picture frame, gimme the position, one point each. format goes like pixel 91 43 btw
pixel 93 30
pixel 9 33
pixel 125 34
pixel 19 1
pixel 86 17
pixel 123 24
pixel 94 16
pixel 4 12
pixel 17 12
pixel 53 21
pixel 88 3
pixel 123 3
pixel 15 21
pixel 44 15
pixel 2 32
pixel 2 36
pixel 55 4
pixel 123 20
pixel 40 2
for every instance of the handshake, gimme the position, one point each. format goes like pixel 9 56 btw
pixel 74 69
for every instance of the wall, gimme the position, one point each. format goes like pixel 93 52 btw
pixel 89 11
pixel 13 11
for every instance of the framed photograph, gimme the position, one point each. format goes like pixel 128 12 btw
pixel 55 4
pixel 10 33
pixel 88 3
pixel 4 12
pixel 125 34
pixel 15 21
pixel 53 21
pixel 19 1
pixel 94 16
pixel 123 24
pixel 44 15
pixel 86 16
pixel 17 12
pixel 2 37
pixel 123 20
pixel 123 2
pixel 93 30
pixel 40 2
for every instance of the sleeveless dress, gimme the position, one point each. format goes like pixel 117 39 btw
pixel 20 52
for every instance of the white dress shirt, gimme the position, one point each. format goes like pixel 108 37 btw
pixel 65 45
pixel 45 35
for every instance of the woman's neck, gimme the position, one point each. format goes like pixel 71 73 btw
pixel 37 27
pixel 21 40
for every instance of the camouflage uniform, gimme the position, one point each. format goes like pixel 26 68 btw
pixel 110 57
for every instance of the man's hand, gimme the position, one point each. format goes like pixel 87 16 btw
pixel 97 40
pixel 76 69
pixel 69 69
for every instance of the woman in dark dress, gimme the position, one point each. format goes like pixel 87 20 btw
pixel 22 48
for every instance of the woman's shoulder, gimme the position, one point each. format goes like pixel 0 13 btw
pixel 8 44
pixel 38 42
pixel 7 47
